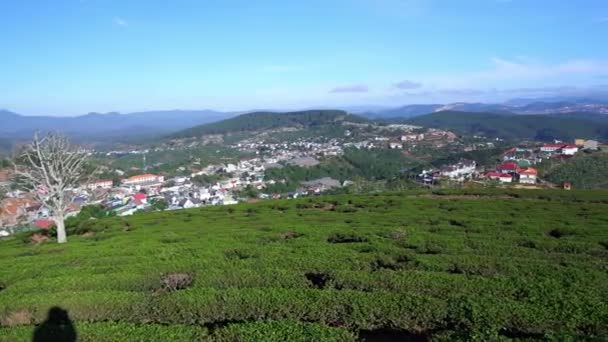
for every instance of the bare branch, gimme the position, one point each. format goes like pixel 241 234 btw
pixel 51 167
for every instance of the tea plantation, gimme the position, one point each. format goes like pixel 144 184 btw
pixel 486 265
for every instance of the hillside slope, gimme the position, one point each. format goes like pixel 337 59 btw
pixel 518 264
pixel 271 120
pixel 583 171
pixel 538 127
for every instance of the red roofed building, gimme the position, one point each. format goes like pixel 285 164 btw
pixel 44 223
pixel 528 175
pixel 13 210
pixel 140 198
pixel 508 167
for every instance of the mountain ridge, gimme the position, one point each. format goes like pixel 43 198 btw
pixel 541 127
pixel 270 120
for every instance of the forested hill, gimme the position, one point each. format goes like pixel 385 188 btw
pixel 270 120
pixel 583 171
pixel 538 127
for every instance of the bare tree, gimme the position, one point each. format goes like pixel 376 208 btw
pixel 51 167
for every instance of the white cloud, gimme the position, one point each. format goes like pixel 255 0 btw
pixel 406 84
pixel 351 88
pixel 120 22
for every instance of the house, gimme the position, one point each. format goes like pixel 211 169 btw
pixel 140 199
pixel 508 167
pixel 590 145
pixel 510 154
pixel 501 177
pixel 186 203
pixel 523 163
pixel 395 145
pixel 567 186
pixel 14 210
pixel 144 179
pixel 551 148
pixel 44 224
pixel 579 142
pixel 464 168
pixel 528 175
pixel 5 176
pixel 569 150
pixel 99 184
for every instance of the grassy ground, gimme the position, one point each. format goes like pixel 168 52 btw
pixel 445 266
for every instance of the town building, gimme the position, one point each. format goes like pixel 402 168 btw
pixel 501 177
pixel 100 184
pixel 551 148
pixel 464 168
pixel 508 167
pixel 528 176
pixel 590 145
pixel 569 150
pixel 144 179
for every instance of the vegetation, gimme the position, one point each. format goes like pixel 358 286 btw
pixel 447 265
pixel 583 171
pixel 537 127
pixel 171 160
pixel 269 120
pixel 488 157
pixel 378 164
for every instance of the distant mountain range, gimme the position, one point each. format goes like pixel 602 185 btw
pixel 515 106
pixel 116 127
pixel 94 126
pixel 510 126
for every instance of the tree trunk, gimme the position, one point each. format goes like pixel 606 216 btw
pixel 61 235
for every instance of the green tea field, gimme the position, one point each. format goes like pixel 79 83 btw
pixel 489 265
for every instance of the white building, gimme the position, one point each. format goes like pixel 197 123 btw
pixel 143 179
pixel 100 184
pixel 590 145
pixel 528 176
pixel 569 150
pixel 463 168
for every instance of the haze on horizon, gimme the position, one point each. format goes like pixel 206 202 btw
pixel 70 57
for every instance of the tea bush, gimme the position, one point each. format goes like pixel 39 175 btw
pixel 444 265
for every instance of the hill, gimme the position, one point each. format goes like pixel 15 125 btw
pixel 538 127
pixel 583 171
pixel 410 266
pixel 258 121
pixel 408 111
pixel 95 126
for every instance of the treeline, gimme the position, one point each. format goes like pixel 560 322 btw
pixel 371 165
pixel 270 120
pixel 537 127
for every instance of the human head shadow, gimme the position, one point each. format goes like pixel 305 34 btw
pixel 57 327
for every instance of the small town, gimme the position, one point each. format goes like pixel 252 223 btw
pixel 227 184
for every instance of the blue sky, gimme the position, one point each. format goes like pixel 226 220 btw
pixel 67 57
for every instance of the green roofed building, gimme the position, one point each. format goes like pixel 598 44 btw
pixel 524 163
